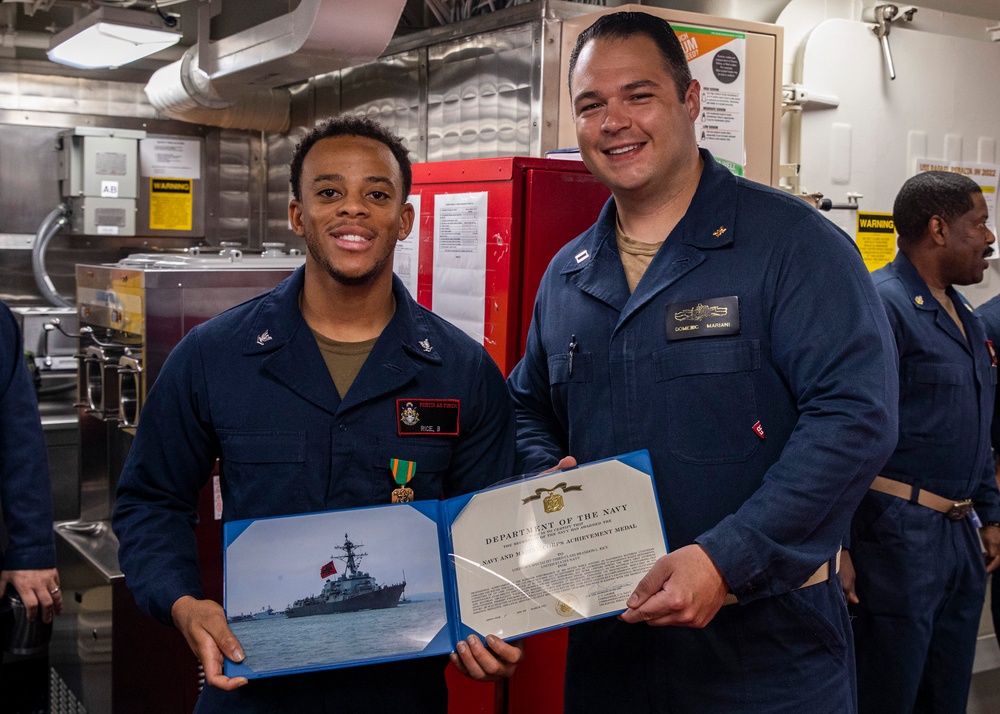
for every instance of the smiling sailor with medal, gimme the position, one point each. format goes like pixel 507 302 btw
pixel 334 390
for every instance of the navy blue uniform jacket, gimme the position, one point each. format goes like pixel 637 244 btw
pixel 25 492
pixel 945 408
pixel 250 388
pixel 762 442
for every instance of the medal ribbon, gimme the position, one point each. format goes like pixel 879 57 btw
pixel 402 470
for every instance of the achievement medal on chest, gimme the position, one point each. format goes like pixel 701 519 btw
pixel 402 472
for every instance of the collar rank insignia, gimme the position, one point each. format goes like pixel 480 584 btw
pixel 581 256
pixel 718 233
pixel 426 344
pixel 919 299
pixel 263 337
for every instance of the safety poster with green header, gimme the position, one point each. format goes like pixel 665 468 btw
pixel 718 61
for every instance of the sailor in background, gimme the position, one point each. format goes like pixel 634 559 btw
pixel 915 539
pixel 299 393
pixel 735 333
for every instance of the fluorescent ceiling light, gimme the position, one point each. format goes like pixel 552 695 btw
pixel 111 37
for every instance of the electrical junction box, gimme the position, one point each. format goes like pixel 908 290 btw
pixel 99 162
pixel 98 177
pixel 93 216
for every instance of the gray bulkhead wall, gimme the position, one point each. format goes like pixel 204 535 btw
pixel 34 109
pixel 474 90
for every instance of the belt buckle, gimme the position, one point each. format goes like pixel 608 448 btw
pixel 959 510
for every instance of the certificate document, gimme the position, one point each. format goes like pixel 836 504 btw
pixel 364 585
pixel 556 549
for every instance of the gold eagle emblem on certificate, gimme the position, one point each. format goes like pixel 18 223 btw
pixel 553 502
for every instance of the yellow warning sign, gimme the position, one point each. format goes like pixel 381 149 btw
pixel 171 204
pixel 876 239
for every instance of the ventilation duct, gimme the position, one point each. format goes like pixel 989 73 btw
pixel 236 82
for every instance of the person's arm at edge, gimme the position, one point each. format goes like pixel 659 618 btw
pixel 987 505
pixel 25 490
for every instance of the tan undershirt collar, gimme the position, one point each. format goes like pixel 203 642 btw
pixel 635 255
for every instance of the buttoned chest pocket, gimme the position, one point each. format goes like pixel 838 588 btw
pixel 707 390
pixel 431 457
pixel 264 472
pixel 929 400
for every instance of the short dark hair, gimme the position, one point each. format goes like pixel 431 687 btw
pixel 621 26
pixel 931 193
pixel 350 125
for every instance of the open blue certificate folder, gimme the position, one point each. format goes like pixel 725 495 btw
pixel 365 585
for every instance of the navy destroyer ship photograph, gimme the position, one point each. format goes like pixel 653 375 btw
pixel 352 591
pixel 320 590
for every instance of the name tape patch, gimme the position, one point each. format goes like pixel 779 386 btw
pixel 427 417
pixel 703 318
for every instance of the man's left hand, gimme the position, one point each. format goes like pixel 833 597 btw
pixel 990 536
pixel 682 588
pixel 474 660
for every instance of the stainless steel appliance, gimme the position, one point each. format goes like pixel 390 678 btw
pixel 111 656
pixel 51 346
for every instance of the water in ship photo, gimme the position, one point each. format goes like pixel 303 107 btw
pixel 352 591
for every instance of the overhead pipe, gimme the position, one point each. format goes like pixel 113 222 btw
pixel 236 82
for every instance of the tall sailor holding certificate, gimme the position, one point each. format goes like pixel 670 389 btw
pixel 734 333
pixel 313 397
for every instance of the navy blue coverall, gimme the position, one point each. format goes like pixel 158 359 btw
pixel 250 388
pixel 763 440
pixel 25 491
pixel 920 576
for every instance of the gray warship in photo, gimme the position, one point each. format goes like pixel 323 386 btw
pixel 265 613
pixel 352 591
